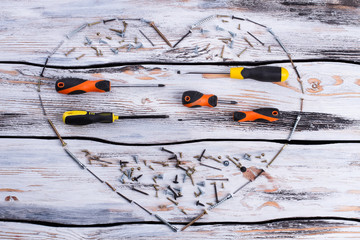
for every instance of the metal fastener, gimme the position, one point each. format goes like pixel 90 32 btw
pixel 176 180
pixel 152 24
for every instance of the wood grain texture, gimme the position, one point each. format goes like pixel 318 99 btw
pixel 51 187
pixel 328 103
pixel 293 230
pixel 51 22
pixel 41 185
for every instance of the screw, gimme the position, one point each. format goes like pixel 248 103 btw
pixel 232 34
pixel 80 56
pixel 114 50
pixel 160 33
pixel 176 180
pixel 138 168
pixel 173 191
pixel 151 167
pixel 219 28
pixel 269 49
pixel 102 41
pixel 222 52
pixel 70 51
pixel 107 37
pixel 239 27
pixel 154 179
pixel 125 26
pixel 198 203
pixel 160 176
pixel 226 163
pixel 137 178
pixel 248 42
pixel 132 171
pixel 115 30
pixel 174 202
pixel 94 23
pixel 200 191
pixel 202 184
pixel 145 162
pixel 88 40
pixel 222 185
pixel 183 211
pixel 184 177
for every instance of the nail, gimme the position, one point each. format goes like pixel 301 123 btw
pixel 216 194
pixel 166 150
pixel 210 167
pixel 202 154
pixel 217 179
pixel 146 38
pixel 137 190
pixel 176 180
pixel 182 38
pixel 256 38
pixel 198 203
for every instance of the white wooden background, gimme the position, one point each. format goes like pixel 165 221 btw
pixel 309 192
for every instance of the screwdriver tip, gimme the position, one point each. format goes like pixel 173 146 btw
pixel 234 102
pixel 161 85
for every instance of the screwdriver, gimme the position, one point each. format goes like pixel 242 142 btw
pixel 263 74
pixel 256 115
pixel 194 99
pixel 85 117
pixel 79 86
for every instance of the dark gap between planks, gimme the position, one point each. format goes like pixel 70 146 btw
pixel 281 141
pixel 302 220
pixel 233 63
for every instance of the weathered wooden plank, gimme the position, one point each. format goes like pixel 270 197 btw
pixel 284 230
pixel 50 187
pixel 332 91
pixel 314 26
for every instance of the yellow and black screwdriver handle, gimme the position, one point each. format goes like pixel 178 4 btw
pixel 85 117
pixel 78 86
pixel 258 115
pixel 263 74
pixel 194 99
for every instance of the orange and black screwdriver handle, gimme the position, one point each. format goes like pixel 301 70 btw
pixel 194 99
pixel 79 86
pixel 257 115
